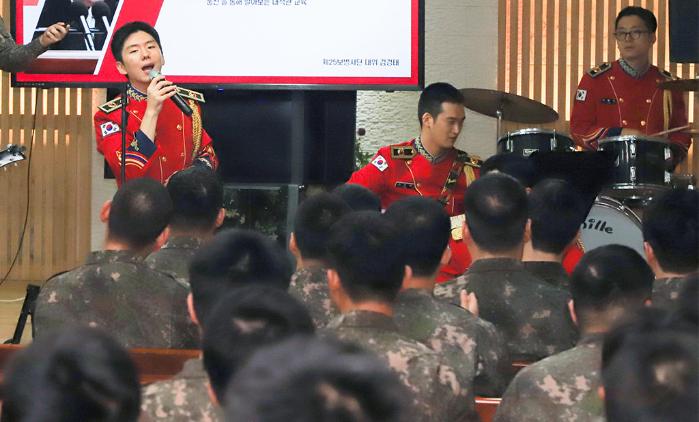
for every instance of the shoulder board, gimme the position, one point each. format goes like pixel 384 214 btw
pixel 403 152
pixel 599 69
pixel 667 74
pixel 469 159
pixel 192 95
pixel 110 106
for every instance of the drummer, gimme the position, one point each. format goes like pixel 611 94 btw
pixel 623 98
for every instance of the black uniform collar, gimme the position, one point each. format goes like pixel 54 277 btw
pixel 431 158
pixel 631 71
pixel 135 94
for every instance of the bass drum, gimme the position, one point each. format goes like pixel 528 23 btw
pixel 527 141
pixel 610 222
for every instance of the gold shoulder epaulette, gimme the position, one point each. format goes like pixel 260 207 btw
pixel 192 95
pixel 403 152
pixel 599 69
pixel 110 106
pixel 469 159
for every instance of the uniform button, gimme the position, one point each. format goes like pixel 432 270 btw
pixel 163 159
pixel 135 112
pixel 624 122
pixel 409 162
pixel 621 100
pixel 648 100
pixel 181 154
pixel 643 122
pixel 179 127
pixel 417 185
pixel 612 78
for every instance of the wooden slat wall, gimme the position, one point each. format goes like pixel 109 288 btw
pixel 58 230
pixel 545 46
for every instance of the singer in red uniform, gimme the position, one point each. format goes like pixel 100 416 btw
pixel 160 138
pixel 623 98
pixel 428 165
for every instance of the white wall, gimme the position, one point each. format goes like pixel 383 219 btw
pixel 461 39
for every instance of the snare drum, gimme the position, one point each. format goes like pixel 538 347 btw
pixel 610 222
pixel 527 141
pixel 643 166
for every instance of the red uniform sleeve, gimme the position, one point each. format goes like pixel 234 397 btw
pixel 141 151
pixel 371 176
pixel 584 128
pixel 207 155
pixel 678 118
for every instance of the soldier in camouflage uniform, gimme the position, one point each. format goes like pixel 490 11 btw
pixel 471 345
pixel 308 244
pixel 366 271
pixel 556 211
pixel 609 283
pixel 671 242
pixel 115 290
pixel 15 58
pixel 197 201
pixel 531 314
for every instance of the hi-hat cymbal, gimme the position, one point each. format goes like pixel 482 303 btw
pixel 514 108
pixel 680 85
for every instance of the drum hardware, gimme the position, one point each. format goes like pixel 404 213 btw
pixel 527 141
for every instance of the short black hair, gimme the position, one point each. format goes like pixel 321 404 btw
pixel 125 31
pixel 236 258
pixel 358 197
pixel 365 251
pixel 496 212
pixel 610 276
pixel 646 16
pixel 140 211
pixel 687 308
pixel 521 168
pixel 649 370
pixel 316 380
pixel 556 210
pixel 425 229
pixel 434 95
pixel 671 227
pixel 314 217
pixel 74 373
pixel 197 197
pixel 242 322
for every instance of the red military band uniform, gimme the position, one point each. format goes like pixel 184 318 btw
pixel 400 170
pixel 609 99
pixel 180 140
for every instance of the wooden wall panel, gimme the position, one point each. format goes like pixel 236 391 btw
pixel 57 236
pixel 544 59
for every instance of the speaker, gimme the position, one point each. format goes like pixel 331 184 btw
pixel 684 31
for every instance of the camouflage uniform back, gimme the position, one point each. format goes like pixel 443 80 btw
pixel 562 387
pixel 666 291
pixel 472 346
pixel 173 258
pixel 183 398
pixel 117 292
pixel 310 286
pixel 551 272
pixel 12 56
pixel 531 314
pixel 438 393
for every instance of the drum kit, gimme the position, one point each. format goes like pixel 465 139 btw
pixel 642 169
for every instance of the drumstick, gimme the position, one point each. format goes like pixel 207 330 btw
pixel 676 129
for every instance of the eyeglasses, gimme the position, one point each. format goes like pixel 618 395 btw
pixel 634 35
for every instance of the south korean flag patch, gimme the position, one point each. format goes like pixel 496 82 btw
pixel 108 128
pixel 581 95
pixel 380 163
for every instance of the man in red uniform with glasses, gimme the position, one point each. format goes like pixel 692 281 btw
pixel 428 165
pixel 623 97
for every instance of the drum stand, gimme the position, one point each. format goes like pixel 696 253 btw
pixel 498 125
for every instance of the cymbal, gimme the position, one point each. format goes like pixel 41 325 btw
pixel 514 108
pixel 680 85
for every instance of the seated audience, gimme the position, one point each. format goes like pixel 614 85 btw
pixel 471 345
pixel 232 259
pixel 556 211
pixel 115 290
pixel 531 313
pixel 650 368
pixel 610 282
pixel 72 374
pixel 197 201
pixel 365 274
pixel 308 243
pixel 312 380
pixel 358 197
pixel 244 321
pixel 671 242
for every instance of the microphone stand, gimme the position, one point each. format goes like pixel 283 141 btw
pixel 124 123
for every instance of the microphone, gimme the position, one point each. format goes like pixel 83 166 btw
pixel 79 11
pixel 102 10
pixel 179 101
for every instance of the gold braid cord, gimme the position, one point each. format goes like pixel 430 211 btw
pixel 667 109
pixel 196 128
